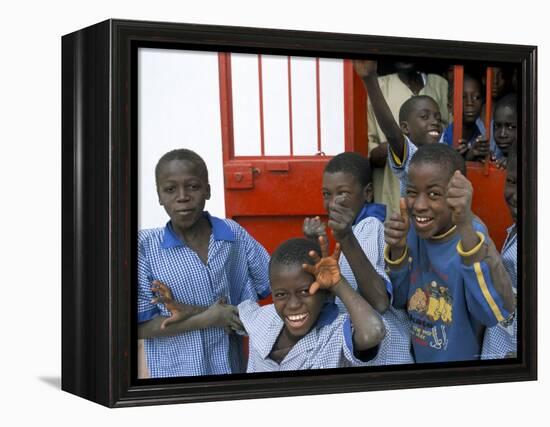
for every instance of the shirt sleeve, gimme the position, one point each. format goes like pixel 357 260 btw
pixel 400 166
pixel 257 259
pixel 500 341
pixel 146 310
pixel 352 357
pixel 370 235
pixel 483 300
pixel 400 284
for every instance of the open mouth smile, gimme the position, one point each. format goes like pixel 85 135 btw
pixel 422 222
pixel 296 320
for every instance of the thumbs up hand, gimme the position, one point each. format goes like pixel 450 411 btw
pixel 396 229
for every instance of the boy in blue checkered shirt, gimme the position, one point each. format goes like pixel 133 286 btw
pixel 210 264
pixel 357 224
pixel 500 341
pixel 303 328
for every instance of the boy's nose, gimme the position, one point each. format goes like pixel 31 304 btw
pixel 182 196
pixel 294 302
pixel 420 203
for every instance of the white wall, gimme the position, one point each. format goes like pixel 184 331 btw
pixel 179 107
pixel 31 211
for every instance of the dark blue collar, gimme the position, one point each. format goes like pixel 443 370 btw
pixel 220 231
pixel 328 313
pixel 371 209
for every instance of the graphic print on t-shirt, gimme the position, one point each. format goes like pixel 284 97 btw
pixel 431 312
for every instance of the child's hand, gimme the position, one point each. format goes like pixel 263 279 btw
pixel 364 68
pixel 397 228
pixel 314 227
pixel 340 217
pixel 459 199
pixel 326 269
pixel 501 163
pixel 225 316
pixel 480 148
pixel 165 297
pixel 462 147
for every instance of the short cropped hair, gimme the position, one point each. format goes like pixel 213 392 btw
pixel 409 106
pixel 354 164
pixel 182 154
pixel 440 154
pixel 510 100
pixel 294 252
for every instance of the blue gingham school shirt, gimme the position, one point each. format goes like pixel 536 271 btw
pixel 328 344
pixel 500 340
pixel 237 269
pixel 369 232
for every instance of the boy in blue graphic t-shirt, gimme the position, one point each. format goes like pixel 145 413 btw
pixel 444 268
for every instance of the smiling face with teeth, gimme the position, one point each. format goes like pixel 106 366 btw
pixel 426 199
pixel 423 121
pixel 294 304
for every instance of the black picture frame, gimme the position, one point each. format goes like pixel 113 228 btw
pixel 99 215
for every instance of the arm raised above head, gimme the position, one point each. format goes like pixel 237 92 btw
pixel 367 70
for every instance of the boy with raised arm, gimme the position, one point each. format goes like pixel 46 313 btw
pixel 419 121
pixel 357 225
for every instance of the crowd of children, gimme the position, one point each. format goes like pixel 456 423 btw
pixel 420 282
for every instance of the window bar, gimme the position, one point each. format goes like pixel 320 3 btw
pixel 260 82
pixel 488 113
pixel 458 87
pixel 290 106
pixel 318 85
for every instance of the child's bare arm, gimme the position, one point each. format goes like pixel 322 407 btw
pixel 459 199
pixel 185 317
pixel 369 282
pixel 367 70
pixel 369 328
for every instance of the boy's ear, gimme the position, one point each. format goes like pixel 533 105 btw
pixel 404 125
pixel 158 195
pixel 208 192
pixel 368 193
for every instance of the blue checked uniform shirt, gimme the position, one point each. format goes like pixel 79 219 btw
pixel 369 232
pixel 329 344
pixel 237 269
pixel 501 340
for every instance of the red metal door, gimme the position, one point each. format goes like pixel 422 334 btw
pixel 271 195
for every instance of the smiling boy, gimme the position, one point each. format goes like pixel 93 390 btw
pixel 419 121
pixel 210 265
pixel 444 268
pixel 357 225
pixel 303 329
